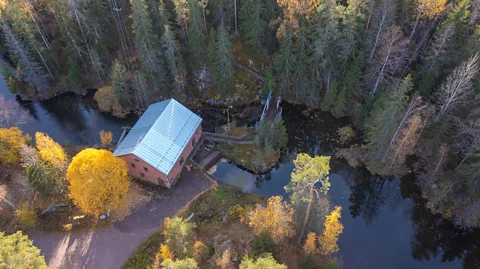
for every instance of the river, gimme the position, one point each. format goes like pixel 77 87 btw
pixel 386 222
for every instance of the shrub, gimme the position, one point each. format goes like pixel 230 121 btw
pixel 237 211
pixel 346 134
pixel 331 264
pixel 307 263
pixel 106 137
pixel 263 244
pixel 179 236
pixel 201 252
pixel 165 252
pixel 26 215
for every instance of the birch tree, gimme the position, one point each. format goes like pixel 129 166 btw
pixel 384 17
pixel 30 71
pixel 11 113
pixel 389 58
pixel 458 86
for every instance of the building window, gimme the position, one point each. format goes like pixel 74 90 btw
pixel 181 161
pixel 194 141
pixel 137 160
pixel 145 169
pixel 133 165
pixel 142 174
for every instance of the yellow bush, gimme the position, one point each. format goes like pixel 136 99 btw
pixel 165 252
pixel 276 218
pixel 200 251
pixel 108 101
pixel 106 137
pixel 51 151
pixel 237 211
pixel 11 141
pixel 26 215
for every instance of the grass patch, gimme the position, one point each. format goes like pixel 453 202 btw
pixel 144 256
pixel 247 156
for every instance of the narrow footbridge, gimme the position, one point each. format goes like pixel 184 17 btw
pixel 249 71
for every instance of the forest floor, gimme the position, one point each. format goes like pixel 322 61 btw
pixel 109 246
pixel 214 227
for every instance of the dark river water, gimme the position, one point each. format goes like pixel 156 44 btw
pixel 386 223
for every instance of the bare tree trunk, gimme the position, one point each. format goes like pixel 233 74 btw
pixel 204 19
pixel 235 10
pixel 307 214
pixel 414 26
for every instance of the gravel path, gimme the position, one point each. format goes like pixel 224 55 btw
pixel 109 248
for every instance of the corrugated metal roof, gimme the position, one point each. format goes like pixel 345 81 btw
pixel 161 134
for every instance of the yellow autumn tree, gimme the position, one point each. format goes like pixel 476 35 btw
pixel 98 180
pixel 310 244
pixel 108 101
pixel 51 151
pixel 292 10
pixel 165 252
pixel 333 228
pixel 106 137
pixel 277 218
pixel 11 141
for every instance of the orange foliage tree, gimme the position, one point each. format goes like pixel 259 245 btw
pixel 276 218
pixel 333 228
pixel 11 141
pixel 292 10
pixel 51 151
pixel 310 244
pixel 106 137
pixel 98 180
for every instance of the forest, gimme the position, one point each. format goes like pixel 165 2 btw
pixel 405 71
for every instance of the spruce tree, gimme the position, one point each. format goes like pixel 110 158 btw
pixel 330 97
pixel 382 123
pixel 196 42
pixel 174 58
pixel 350 87
pixel 285 63
pixel 74 76
pixel 303 53
pixel 252 24
pixel 223 62
pixel 147 45
pixel 120 84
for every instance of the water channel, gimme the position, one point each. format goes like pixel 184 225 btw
pixel 386 223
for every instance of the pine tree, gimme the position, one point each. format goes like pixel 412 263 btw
pixel 252 24
pixel 269 84
pixel 223 62
pixel 174 58
pixel 197 39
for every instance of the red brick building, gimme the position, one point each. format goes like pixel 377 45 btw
pixel 158 145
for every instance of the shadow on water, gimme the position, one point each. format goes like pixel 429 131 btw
pixel 386 222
